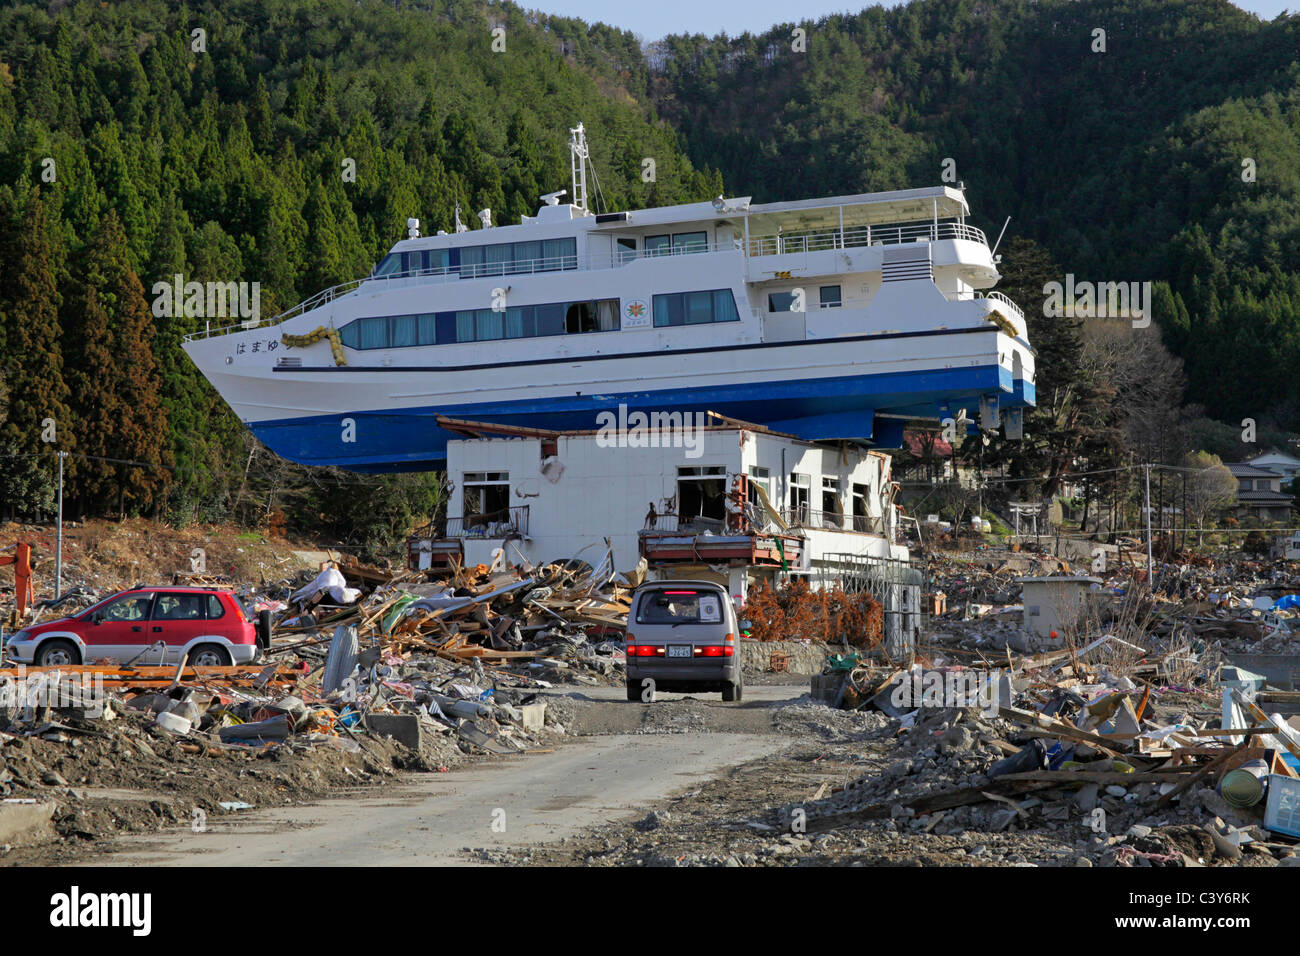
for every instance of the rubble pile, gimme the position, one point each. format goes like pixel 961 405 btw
pixel 1142 755
pixel 368 672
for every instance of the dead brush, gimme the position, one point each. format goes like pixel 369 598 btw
pixel 1098 615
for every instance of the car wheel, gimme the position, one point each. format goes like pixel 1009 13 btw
pixel 731 692
pixel 209 655
pixel 633 692
pixel 58 654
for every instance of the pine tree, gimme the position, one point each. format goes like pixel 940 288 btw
pixel 38 421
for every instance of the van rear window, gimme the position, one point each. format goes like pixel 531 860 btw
pixel 685 606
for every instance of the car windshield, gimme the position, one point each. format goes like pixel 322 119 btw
pixel 684 606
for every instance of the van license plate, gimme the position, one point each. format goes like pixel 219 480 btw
pixel 679 650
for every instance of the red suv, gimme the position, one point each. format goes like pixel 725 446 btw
pixel 150 626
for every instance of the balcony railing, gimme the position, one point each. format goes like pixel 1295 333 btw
pixel 691 524
pixel 830 520
pixel 831 239
pixel 506 523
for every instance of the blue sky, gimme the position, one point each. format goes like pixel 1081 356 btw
pixel 658 18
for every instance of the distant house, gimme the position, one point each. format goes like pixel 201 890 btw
pixel 1278 462
pixel 1259 492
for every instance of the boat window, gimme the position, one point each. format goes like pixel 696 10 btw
pixel 402 332
pixel 699 308
pixel 695 308
pixel 677 244
pixel 684 242
pixel 626 248
pixel 514 323
pixel 559 254
pixel 513 258
pixel 658 245
pixel 391 265
pixel 374 333
pixel 430 261
pixel 489 325
pixel 780 302
pixel 550 319
pixel 580 317
pixel 499 259
pixel 830 297
pixel 485 325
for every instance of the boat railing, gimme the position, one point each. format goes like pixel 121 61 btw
pixel 858 236
pixel 1017 314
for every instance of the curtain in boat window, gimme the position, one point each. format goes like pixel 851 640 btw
pixel 498 259
pixel 514 323
pixel 724 306
pixel 465 326
pixel 559 254
pixel 471 261
pixel 607 315
pixel 527 255
pixel 488 325
pixel 403 331
pixel 428 329
pixel 374 333
pixel 699 308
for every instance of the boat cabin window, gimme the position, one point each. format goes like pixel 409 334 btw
pixel 676 244
pixel 784 302
pixel 392 264
pixel 513 258
pixel 695 308
pixel 600 316
pixel 626 248
pixel 481 325
pixel 829 296
pixel 418 262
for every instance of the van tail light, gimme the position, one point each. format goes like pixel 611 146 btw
pixel 714 650
pixel 644 650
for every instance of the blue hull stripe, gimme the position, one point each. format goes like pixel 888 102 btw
pixel 409 439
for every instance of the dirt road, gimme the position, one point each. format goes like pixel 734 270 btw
pixel 509 804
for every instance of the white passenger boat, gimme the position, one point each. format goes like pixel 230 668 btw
pixel 823 318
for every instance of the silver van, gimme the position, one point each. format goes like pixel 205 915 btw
pixel 683 636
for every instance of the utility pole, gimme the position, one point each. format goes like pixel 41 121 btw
pixel 58 551
pixel 1147 469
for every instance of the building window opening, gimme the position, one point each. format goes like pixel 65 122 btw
pixel 702 497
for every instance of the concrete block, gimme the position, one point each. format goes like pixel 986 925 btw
pixel 25 822
pixel 826 687
pixel 404 728
pixel 534 715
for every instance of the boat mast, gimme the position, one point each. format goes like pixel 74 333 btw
pixel 578 160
